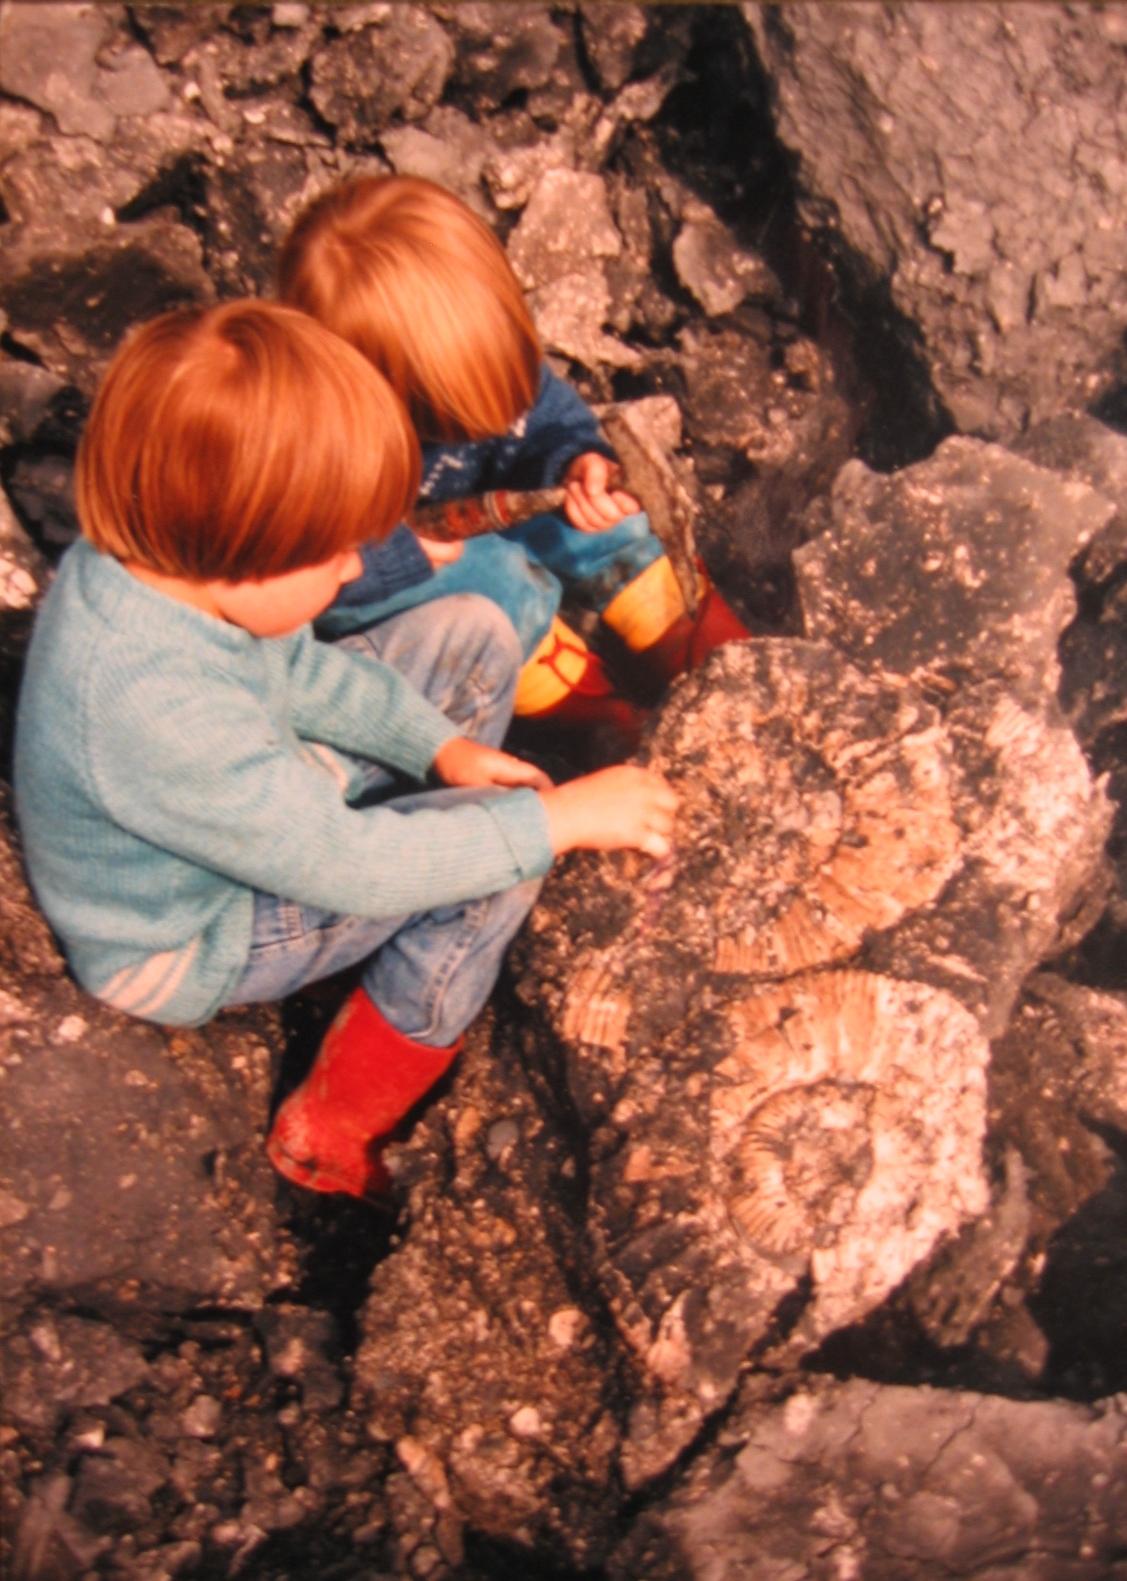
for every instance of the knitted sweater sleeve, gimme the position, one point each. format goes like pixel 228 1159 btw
pixel 208 777
pixel 363 706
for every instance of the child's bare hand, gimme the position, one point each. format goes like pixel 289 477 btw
pixel 439 553
pixel 461 761
pixel 619 807
pixel 591 501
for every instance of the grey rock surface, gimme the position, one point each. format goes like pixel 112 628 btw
pixel 504 51
pixel 957 564
pixel 612 37
pixel 131 1171
pixel 398 66
pixel 71 305
pixel 484 1363
pixel 59 58
pixel 975 174
pixel 557 251
pixel 859 1480
pixel 792 1103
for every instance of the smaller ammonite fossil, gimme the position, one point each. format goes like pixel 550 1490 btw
pixel 846 1129
pixel 802 1158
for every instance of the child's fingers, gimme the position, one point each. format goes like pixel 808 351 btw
pixel 583 511
pixel 439 553
pixel 657 810
pixel 513 772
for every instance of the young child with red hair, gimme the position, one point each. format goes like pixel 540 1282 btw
pixel 409 275
pixel 216 807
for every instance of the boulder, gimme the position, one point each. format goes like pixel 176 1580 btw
pixel 75 62
pixel 957 565
pixel 70 305
pixel 973 181
pixel 484 1363
pixel 557 252
pixel 739 1028
pixel 397 66
pixel 897 1485
pixel 503 50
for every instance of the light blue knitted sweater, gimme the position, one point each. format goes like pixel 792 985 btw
pixel 169 764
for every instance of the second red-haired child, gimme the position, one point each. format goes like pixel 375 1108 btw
pixel 409 275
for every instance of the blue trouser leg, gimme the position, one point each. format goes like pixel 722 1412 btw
pixel 592 566
pixel 429 973
pixel 490 566
pixel 524 571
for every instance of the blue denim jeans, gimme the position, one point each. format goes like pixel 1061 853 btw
pixel 430 973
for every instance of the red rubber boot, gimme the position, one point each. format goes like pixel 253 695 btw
pixel 365 1078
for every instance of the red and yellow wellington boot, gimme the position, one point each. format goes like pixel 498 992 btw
pixel 566 686
pixel 365 1078
pixel 650 616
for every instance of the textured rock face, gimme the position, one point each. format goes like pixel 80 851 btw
pixel 789 1103
pixel 895 1485
pixel 776 1138
pixel 956 565
pixel 1094 648
pixel 975 172
pixel 120 1136
pixel 953 572
pixel 484 1365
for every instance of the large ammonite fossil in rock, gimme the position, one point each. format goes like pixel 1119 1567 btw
pixel 815 809
pixel 775 1137
pixel 846 1128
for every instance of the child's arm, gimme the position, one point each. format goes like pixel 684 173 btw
pixel 562 442
pixel 363 706
pixel 620 806
pixel 617 807
pixel 465 762
pixel 209 779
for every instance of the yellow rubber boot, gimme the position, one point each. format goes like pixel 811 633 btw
pixel 651 618
pixel 565 684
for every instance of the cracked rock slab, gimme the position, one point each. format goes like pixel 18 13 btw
pixel 858 1480
pixel 978 170
pixel 959 563
pixel 772 1144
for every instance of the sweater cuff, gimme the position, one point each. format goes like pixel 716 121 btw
pixel 421 740
pixel 559 460
pixel 521 817
pixel 397 562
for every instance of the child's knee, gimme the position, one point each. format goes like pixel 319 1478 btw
pixel 478 620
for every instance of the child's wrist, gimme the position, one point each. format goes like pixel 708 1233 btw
pixel 561 823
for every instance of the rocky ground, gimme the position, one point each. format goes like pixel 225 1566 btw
pixel 772 1224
